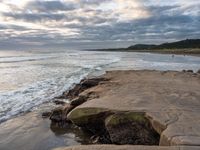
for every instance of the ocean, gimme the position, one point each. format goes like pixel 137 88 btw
pixel 30 78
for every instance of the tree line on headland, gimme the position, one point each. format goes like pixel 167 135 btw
pixel 185 46
pixel 189 43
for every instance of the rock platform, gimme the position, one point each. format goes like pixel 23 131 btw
pixel 169 100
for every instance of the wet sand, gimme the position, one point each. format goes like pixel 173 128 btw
pixel 32 132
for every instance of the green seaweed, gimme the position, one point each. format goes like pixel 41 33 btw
pixel 84 115
pixel 126 117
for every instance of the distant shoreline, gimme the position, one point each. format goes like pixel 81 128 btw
pixel 184 47
pixel 191 52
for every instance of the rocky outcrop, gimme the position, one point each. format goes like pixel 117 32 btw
pixel 82 86
pixel 115 127
pixel 78 100
pixel 139 107
pixel 76 97
pixel 170 107
pixel 59 115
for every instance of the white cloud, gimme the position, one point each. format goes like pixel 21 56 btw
pixel 125 11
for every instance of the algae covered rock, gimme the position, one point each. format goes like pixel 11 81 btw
pixel 85 116
pixel 115 127
pixel 93 121
pixel 131 128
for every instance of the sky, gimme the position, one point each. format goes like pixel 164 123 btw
pixel 83 24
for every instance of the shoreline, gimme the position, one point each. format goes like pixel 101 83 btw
pixel 168 52
pixel 93 98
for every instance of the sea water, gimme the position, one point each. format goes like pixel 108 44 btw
pixel 30 78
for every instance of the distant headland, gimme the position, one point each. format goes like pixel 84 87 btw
pixel 188 46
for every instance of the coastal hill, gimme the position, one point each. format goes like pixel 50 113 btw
pixel 188 46
pixel 184 44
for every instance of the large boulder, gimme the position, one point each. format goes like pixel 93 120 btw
pixel 92 120
pixel 115 127
pixel 85 116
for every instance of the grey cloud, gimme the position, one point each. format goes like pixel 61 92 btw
pixel 67 17
pixel 93 2
pixel 48 6
pixel 35 17
pixel 14 27
pixel 2 27
pixel 160 27
pixel 166 23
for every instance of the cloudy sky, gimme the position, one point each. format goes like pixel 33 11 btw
pixel 96 23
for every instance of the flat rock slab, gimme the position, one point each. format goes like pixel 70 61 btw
pixel 128 147
pixel 170 100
